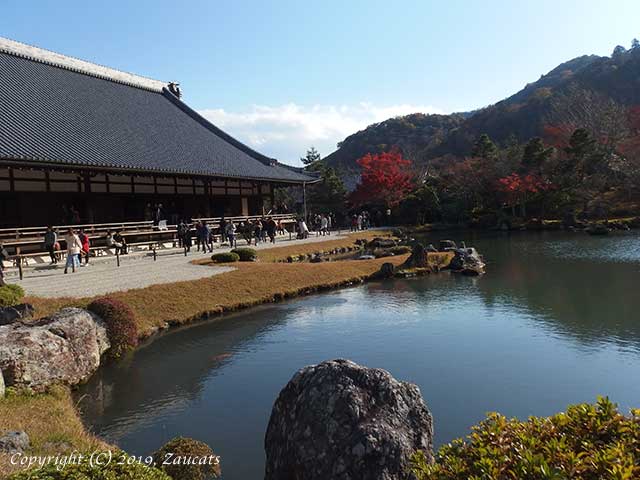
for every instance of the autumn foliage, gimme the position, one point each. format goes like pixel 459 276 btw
pixel 386 179
pixel 516 186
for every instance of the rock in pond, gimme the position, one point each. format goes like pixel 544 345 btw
pixel 447 245
pixel 387 270
pixel 418 258
pixel 339 420
pixel 14 442
pixel 380 242
pixel 63 348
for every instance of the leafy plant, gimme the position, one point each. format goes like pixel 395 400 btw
pixel 114 470
pixel 246 254
pixel 589 442
pixel 226 257
pixel 201 462
pixel 10 294
pixel 122 328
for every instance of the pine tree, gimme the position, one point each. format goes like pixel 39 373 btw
pixel 311 157
pixel 485 148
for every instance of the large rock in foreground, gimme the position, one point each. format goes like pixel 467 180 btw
pixel 63 348
pixel 339 420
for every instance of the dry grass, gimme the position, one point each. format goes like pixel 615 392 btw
pixel 52 422
pixel 250 284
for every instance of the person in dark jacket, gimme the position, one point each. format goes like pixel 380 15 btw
pixel 50 240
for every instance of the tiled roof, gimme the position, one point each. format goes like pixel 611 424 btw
pixel 66 111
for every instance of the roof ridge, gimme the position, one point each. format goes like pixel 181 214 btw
pixel 78 65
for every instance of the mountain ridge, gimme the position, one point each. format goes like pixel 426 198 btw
pixel 586 91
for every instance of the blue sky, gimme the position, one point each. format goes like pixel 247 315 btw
pixel 283 75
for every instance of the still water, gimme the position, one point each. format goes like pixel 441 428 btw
pixel 555 321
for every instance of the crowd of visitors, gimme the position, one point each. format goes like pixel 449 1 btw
pixel 360 221
pixel 75 243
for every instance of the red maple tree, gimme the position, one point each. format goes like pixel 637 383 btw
pixel 518 188
pixel 386 179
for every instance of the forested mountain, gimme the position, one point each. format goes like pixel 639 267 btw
pixel 590 91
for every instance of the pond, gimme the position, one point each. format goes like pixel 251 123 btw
pixel 555 321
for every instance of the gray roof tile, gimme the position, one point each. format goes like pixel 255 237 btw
pixel 58 115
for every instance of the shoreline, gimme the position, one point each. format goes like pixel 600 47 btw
pixel 33 412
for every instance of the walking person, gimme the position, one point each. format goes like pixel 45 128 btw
pixel 187 239
pixel 223 230
pixel 257 231
pixel 271 229
pixel 230 232
pixel 74 247
pixel 205 237
pixel 324 225
pixel 50 240
pixel 84 241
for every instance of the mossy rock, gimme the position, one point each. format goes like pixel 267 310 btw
pixel 10 295
pixel 202 464
pixel 246 254
pixel 227 257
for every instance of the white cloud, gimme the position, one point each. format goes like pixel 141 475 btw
pixel 287 131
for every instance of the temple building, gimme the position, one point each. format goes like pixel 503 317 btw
pixel 80 139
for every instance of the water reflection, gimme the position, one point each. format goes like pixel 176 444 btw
pixel 552 323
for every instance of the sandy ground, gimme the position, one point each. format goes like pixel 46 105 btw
pixel 136 270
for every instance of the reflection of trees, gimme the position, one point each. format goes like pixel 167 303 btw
pixel 169 372
pixel 566 280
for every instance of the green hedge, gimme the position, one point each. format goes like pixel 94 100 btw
pixel 246 254
pixel 84 471
pixel 588 442
pixel 227 257
pixel 121 324
pixel 10 294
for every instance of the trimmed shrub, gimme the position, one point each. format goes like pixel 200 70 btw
pixel 121 324
pixel 246 254
pixel 202 462
pixel 227 257
pixel 10 295
pixel 589 442
pixel 114 470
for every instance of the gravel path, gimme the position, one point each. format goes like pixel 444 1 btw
pixel 137 270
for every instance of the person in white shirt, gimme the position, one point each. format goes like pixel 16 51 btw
pixel 74 247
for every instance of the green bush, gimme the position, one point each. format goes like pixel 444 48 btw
pixel 588 442
pixel 227 257
pixel 84 471
pixel 203 463
pixel 10 295
pixel 246 254
pixel 121 324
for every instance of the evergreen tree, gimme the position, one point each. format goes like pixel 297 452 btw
pixel 535 154
pixel 312 157
pixel 485 148
pixel 635 43
pixel 329 194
